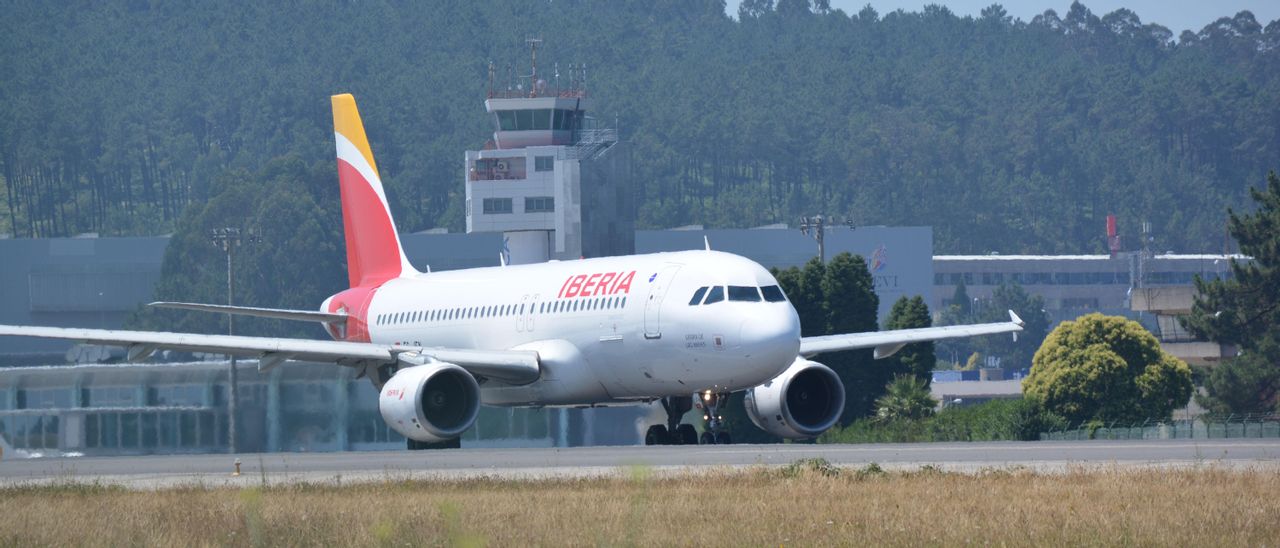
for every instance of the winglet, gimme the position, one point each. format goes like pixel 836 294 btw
pixel 1016 320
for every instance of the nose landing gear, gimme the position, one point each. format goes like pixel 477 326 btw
pixel 675 433
pixel 712 406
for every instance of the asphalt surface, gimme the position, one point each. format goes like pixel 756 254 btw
pixel 216 470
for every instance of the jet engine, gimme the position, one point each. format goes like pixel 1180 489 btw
pixel 433 402
pixel 802 402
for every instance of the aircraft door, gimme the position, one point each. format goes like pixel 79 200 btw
pixel 658 286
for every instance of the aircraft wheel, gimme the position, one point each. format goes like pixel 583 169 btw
pixel 686 435
pixel 708 439
pixel 415 445
pixel 722 438
pixel 656 435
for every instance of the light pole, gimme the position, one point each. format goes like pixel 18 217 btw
pixel 816 227
pixel 228 240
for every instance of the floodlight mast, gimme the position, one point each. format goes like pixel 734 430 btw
pixel 228 240
pixel 816 227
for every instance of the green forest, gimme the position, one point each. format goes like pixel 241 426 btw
pixel 1004 135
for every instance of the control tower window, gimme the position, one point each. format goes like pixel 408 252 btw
pixel 544 163
pixel 524 120
pixel 497 205
pixel 506 120
pixel 542 119
pixel 539 204
pixel 533 120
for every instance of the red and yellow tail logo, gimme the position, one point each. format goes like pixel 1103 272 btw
pixel 374 254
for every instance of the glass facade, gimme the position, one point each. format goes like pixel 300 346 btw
pixel 539 119
pixel 182 408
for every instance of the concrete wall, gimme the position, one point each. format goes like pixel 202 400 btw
pixel 73 282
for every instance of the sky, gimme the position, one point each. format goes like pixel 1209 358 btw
pixel 1177 15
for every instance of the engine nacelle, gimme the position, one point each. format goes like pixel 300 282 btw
pixel 803 402
pixel 433 402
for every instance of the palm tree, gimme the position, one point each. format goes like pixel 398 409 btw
pixel 906 397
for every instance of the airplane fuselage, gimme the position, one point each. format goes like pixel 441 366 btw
pixel 623 328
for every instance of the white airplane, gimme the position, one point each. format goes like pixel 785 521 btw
pixel 684 327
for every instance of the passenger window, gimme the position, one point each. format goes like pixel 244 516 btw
pixel 697 296
pixel 715 295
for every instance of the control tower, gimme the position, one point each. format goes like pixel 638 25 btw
pixel 553 180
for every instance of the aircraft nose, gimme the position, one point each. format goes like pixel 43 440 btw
pixel 772 338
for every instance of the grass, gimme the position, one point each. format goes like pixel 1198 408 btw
pixel 809 502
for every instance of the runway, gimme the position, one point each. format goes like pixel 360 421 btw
pixel 215 470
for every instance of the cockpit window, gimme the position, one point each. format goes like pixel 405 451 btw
pixel 773 294
pixel 744 293
pixel 715 295
pixel 697 296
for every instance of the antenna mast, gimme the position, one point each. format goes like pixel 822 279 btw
pixel 533 61
pixel 491 71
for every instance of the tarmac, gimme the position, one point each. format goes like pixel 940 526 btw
pixel 217 470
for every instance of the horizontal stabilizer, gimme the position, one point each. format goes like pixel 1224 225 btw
pixel 274 313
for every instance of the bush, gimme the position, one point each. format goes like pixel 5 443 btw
pixel 1021 419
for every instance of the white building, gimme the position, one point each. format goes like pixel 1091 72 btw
pixel 552 180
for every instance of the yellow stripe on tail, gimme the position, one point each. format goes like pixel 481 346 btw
pixel 346 121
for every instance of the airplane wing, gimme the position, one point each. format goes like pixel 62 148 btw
pixel 886 343
pixel 513 366
pixel 274 313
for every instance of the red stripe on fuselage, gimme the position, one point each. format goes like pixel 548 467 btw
pixel 373 256
pixel 354 303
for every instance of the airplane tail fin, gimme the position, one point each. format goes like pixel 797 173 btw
pixel 374 253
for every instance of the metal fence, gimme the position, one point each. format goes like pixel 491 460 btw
pixel 1206 427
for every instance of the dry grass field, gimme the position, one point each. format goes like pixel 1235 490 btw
pixel 806 504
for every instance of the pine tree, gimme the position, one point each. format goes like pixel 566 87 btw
pixel 809 299
pixel 914 359
pixel 960 300
pixel 851 305
pixel 1245 310
pixel 1014 353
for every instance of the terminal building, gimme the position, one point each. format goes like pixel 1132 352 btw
pixel 1153 289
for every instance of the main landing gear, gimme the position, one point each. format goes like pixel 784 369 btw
pixel 675 433
pixel 415 445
